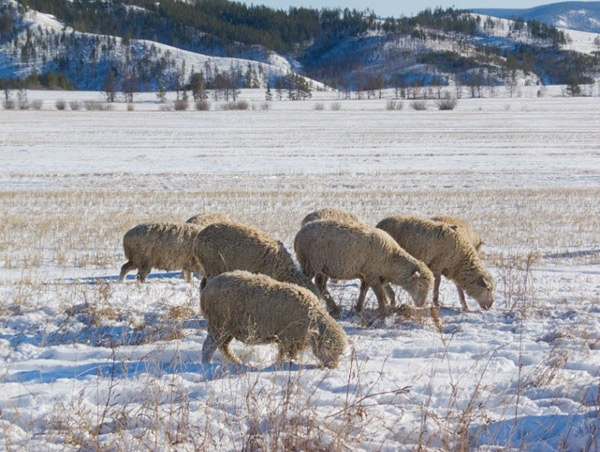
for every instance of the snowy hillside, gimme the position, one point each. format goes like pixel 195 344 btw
pixel 581 16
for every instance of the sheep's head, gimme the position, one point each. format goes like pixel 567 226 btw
pixel 328 342
pixel 482 290
pixel 418 282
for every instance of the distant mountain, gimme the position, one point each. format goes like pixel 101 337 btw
pixel 582 16
pixel 221 46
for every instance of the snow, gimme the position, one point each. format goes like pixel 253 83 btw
pixel 90 363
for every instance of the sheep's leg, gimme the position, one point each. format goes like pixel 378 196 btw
pixel 364 288
pixel 211 343
pixel 461 297
pixel 390 293
pixel 375 284
pixel 203 283
pixel 142 273
pixel 228 354
pixel 186 275
pixel 436 291
pixel 321 283
pixel 126 268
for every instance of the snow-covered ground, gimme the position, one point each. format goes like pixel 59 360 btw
pixel 92 364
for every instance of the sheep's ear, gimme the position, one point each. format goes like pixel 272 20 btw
pixel 416 274
pixel 484 283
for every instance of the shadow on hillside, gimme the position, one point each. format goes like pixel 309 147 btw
pixel 130 277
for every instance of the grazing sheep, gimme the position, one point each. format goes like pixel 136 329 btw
pixel 331 214
pixel 257 309
pixel 348 251
pixel 204 219
pixel 166 246
pixel 446 252
pixel 463 226
pixel 223 247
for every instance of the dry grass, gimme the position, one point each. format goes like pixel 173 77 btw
pixel 59 228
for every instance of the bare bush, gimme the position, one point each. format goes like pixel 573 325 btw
pixel 94 105
pixel 36 104
pixel 393 104
pixel 167 107
pixel 265 106
pixel 9 104
pixel 60 104
pixel 447 103
pixel 419 105
pixel 237 105
pixel 181 105
pixel 336 106
pixel 130 106
pixel 202 105
pixel 75 105
pixel 319 106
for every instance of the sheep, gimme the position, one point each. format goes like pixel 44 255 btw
pixel 462 225
pixel 348 251
pixel 226 246
pixel 166 246
pixel 204 219
pixel 257 309
pixel 446 252
pixel 341 216
pixel 331 214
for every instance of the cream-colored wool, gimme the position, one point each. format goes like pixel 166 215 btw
pixel 331 214
pixel 204 219
pixel 257 309
pixel 165 246
pixel 446 252
pixel 462 226
pixel 227 246
pixel 348 251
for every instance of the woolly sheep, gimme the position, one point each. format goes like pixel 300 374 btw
pixel 463 226
pixel 226 246
pixel 348 251
pixel 257 309
pixel 446 252
pixel 165 246
pixel 331 214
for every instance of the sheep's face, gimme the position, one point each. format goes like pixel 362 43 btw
pixel 482 290
pixel 329 347
pixel 419 285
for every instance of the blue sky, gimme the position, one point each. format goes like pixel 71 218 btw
pixel 397 8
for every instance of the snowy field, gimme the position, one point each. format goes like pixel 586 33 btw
pixel 90 364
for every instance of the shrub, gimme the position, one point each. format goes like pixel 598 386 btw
pixel 167 107
pixel 336 106
pixel 265 106
pixel 319 106
pixel 237 105
pixel 75 105
pixel 94 105
pixel 202 105
pixel 419 105
pixel 393 104
pixel 130 106
pixel 36 104
pixel 61 104
pixel 181 105
pixel 447 103
pixel 23 105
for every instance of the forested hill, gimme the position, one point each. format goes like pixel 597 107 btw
pixel 149 42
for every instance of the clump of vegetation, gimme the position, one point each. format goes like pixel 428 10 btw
pixel 448 102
